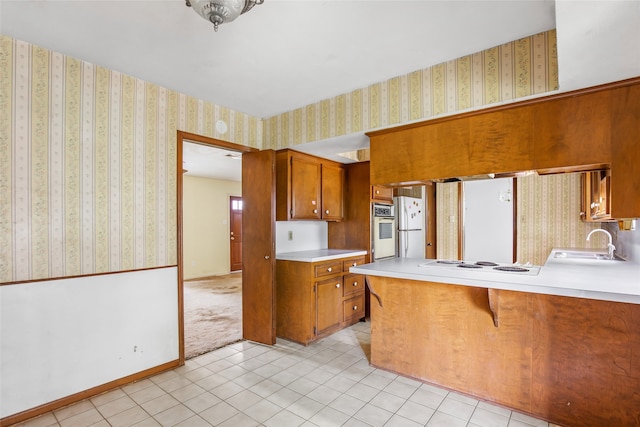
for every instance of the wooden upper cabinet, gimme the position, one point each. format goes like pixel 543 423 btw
pixel 332 192
pixel 305 188
pixel 308 187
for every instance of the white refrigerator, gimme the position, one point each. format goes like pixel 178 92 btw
pixel 410 218
pixel 488 220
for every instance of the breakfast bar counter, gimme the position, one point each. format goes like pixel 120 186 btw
pixel 562 344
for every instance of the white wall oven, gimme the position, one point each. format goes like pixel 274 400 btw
pixel 384 231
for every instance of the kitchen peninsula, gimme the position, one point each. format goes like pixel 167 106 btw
pixel 562 344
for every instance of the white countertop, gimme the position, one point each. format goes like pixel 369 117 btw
pixel 594 279
pixel 319 255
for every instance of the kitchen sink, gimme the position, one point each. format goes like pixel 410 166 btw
pixel 599 256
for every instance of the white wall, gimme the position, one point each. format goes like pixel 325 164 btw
pixel 307 235
pixel 598 42
pixel 61 337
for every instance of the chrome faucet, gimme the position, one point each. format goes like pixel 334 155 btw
pixel 610 246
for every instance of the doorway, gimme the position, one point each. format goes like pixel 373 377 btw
pixel 209 292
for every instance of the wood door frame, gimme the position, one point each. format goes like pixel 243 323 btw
pixel 212 142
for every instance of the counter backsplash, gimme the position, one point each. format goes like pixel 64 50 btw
pixel 305 236
pixel 627 243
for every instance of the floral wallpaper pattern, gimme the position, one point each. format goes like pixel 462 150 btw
pixel 88 155
pixel 520 68
pixel 88 164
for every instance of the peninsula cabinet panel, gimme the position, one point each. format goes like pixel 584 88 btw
pixel 572 361
pixel 625 155
pixel 573 132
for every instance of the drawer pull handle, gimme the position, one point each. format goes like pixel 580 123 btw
pixel 355 283
pixel 337 285
pixel 355 307
pixel 329 269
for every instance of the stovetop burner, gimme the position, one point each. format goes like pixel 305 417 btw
pixel 511 268
pixel 463 265
pixel 441 267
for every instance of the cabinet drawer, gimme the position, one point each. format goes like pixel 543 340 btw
pixel 353 284
pixel 381 193
pixel 327 269
pixel 352 263
pixel 353 308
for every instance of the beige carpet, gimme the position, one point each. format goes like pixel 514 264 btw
pixel 212 313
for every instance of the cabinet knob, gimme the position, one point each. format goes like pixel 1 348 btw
pixel 355 283
pixel 267 257
pixel 377 191
pixel 337 285
pixel 327 211
pixel 315 211
pixel 355 307
pixel 354 264
pixel 329 269
pixel 233 238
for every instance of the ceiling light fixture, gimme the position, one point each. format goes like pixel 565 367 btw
pixel 221 11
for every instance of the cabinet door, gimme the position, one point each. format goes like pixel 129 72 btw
pixel 332 192
pixel 305 188
pixel 380 193
pixel 328 304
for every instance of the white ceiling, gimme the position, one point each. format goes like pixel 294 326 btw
pixel 283 54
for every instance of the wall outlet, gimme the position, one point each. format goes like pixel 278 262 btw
pixel 290 235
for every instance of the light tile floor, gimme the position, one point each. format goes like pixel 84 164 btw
pixel 328 383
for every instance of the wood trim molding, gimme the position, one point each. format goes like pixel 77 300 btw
pixel 94 391
pixel 49 279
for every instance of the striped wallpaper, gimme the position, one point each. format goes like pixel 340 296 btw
pixel 523 67
pixel 88 164
pixel 88 155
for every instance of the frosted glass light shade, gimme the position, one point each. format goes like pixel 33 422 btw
pixel 218 11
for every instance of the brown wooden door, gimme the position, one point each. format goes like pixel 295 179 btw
pixel 235 233
pixel 305 188
pixel 328 304
pixel 258 256
pixel 332 192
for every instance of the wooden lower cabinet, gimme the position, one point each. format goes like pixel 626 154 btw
pixel 316 299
